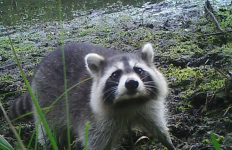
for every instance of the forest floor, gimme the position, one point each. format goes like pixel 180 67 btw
pixel 194 54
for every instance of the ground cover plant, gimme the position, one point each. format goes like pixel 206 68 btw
pixel 192 52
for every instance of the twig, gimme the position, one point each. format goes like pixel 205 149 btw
pixel 218 33
pixel 205 147
pixel 226 111
pixel 217 69
pixel 195 113
pixel 206 103
pixel 212 16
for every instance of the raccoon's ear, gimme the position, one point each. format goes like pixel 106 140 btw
pixel 147 53
pixel 94 63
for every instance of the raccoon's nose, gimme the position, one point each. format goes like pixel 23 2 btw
pixel 131 84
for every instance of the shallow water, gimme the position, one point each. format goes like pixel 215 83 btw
pixel 34 11
pixel 20 16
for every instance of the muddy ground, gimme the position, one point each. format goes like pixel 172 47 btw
pixel 192 52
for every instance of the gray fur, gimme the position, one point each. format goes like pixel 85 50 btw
pixel 107 122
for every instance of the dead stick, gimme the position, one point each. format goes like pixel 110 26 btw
pixel 213 17
pixel 222 73
pixel 218 33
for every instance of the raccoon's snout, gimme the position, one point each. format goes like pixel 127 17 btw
pixel 131 84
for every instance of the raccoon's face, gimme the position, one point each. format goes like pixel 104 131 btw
pixel 125 79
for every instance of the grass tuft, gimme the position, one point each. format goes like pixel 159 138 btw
pixel 4 145
pixel 214 141
pixel 38 109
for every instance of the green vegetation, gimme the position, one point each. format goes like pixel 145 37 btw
pixel 214 141
pixel 4 144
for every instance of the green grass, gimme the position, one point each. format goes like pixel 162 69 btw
pixel 214 141
pixel 4 145
pixel 86 134
pixel 64 73
pixel 38 109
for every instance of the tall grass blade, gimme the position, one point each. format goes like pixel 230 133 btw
pixel 86 134
pixel 36 138
pixel 214 141
pixel 13 129
pixel 4 144
pixel 29 144
pixel 64 71
pixel 19 133
pixel 47 108
pixel 13 92
pixel 38 109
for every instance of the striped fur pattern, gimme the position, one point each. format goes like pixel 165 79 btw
pixel 21 107
pixel 126 90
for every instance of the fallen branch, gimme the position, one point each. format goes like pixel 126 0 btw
pixel 212 16
pixel 218 33
pixel 222 73
pixel 227 111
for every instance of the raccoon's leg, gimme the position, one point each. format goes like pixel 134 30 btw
pixel 42 136
pixel 159 130
pixel 59 135
pixel 163 136
pixel 103 136
pixel 101 140
pixel 154 122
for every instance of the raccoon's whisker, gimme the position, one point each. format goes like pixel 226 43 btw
pixel 150 85
pixel 144 77
pixel 149 82
pixel 113 82
pixel 111 89
pixel 109 94
pixel 152 91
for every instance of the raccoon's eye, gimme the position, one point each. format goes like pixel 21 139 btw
pixel 138 70
pixel 116 74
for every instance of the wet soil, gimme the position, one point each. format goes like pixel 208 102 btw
pixel 191 51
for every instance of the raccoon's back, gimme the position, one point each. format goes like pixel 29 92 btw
pixel 48 81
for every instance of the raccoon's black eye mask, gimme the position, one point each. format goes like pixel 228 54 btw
pixel 116 75
pixel 138 70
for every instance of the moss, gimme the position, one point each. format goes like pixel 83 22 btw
pixel 105 30
pixel 220 140
pixel 83 33
pixel 181 108
pixel 205 142
pixel 6 83
pixel 6 77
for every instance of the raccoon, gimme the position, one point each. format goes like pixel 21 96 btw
pixel 125 90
